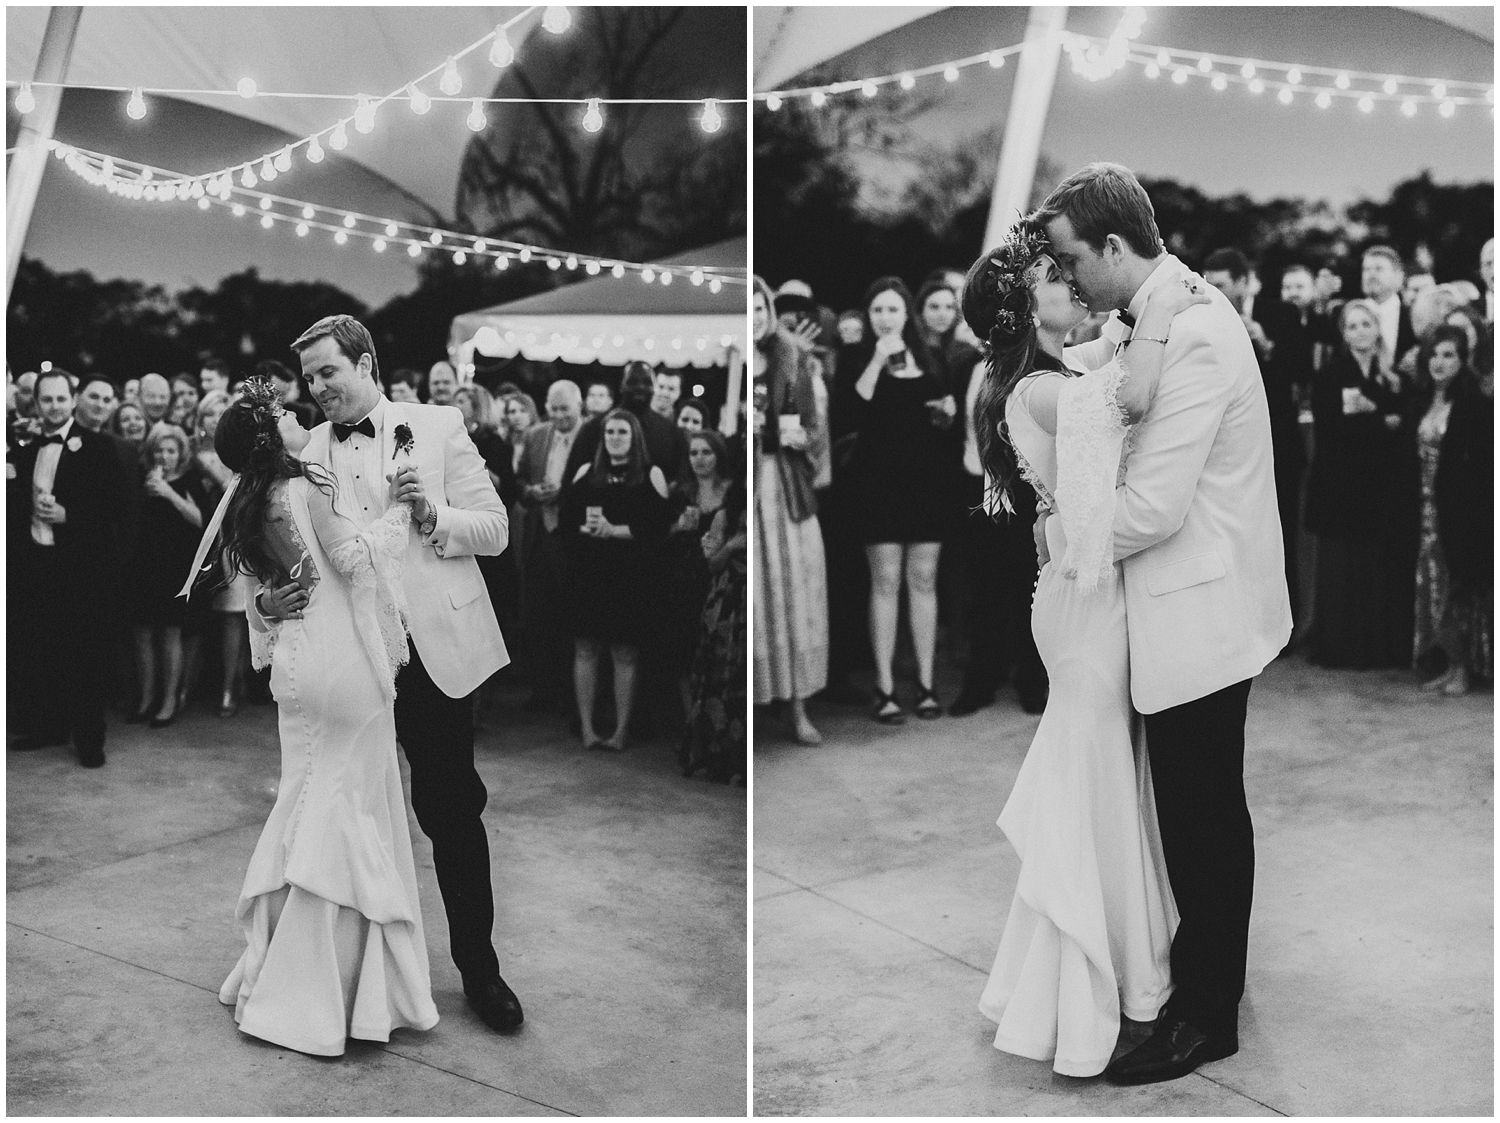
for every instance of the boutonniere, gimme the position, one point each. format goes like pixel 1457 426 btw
pixel 74 444
pixel 405 442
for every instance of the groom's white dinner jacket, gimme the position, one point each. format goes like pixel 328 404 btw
pixel 451 620
pixel 1196 521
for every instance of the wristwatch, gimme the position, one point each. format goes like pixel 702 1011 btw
pixel 429 524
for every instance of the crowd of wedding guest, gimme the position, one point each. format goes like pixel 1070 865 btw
pixel 622 594
pixel 872 536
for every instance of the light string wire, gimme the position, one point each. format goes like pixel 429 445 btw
pixel 398 96
pixel 101 169
pixel 1205 64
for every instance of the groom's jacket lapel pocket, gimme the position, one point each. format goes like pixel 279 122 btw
pixel 1185 573
pixel 465 593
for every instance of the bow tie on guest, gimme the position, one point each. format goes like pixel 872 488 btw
pixel 344 432
pixel 53 439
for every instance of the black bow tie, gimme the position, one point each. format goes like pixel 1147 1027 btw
pixel 1127 319
pixel 54 439
pixel 344 432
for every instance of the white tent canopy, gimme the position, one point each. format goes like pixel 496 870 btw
pixel 613 321
pixel 288 49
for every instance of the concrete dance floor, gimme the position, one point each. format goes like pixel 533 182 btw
pixel 881 885
pixel 620 922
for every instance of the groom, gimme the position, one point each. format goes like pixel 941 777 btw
pixel 455 639
pixel 1196 527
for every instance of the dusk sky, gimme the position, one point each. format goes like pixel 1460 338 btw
pixel 76 226
pixel 1218 142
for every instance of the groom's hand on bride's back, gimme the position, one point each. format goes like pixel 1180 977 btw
pixel 1039 535
pixel 284 602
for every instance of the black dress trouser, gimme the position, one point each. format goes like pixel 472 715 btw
pixel 437 734
pixel 1197 753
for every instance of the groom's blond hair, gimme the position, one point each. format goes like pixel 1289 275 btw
pixel 1103 199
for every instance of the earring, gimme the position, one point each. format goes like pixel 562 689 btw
pixel 1036 321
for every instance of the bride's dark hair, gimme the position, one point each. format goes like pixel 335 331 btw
pixel 999 306
pixel 249 442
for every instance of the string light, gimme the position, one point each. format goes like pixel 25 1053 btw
pixel 338 140
pixel 1256 86
pixel 1446 109
pixel 302 229
pixel 476 119
pixel 502 54
pixel 1409 108
pixel 135 108
pixel 284 160
pixel 1390 86
pixel 1285 96
pixel 1180 76
pixel 773 102
pixel 314 151
pixel 593 119
pixel 245 87
pixel 1220 83
pixel 711 120
pixel 997 59
pixel 420 102
pixel 1366 103
pixel 1323 100
pixel 950 74
pixel 265 203
pixel 266 222
pixel 339 237
pixel 414 250
pixel 378 245
pixel 25 99
pixel 308 211
pixel 247 178
pixel 364 116
pixel 557 18
pixel 348 220
pixel 450 83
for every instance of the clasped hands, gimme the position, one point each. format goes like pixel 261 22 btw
pixel 49 510
pixel 406 487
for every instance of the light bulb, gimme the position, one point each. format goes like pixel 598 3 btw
pixel 302 229
pixel 338 140
pixel 314 151
pixel 247 177
pixel 557 18
pixel 648 274
pixel 593 119
pixel 1257 86
pixel 1220 83
pixel 339 237
pixel 238 210
pixel 525 255
pixel 475 120
pixel 1390 86
pixel 459 257
pixel 390 229
pixel 364 116
pixel 348 222
pixel 245 87
pixel 450 83
pixel 420 102
pixel 284 160
pixel 711 120
pixel 502 54
pixel 1163 59
pixel 1342 81
pixel 696 277
pixel 266 222
pixel 1440 90
pixel 869 89
pixel 308 212
pixel 267 170
pixel 1323 100
pixel 197 189
pixel 773 102
pixel 572 262
pixel 203 204
pixel 1204 65
pixel 592 269
pixel 265 203
pixel 1294 76
pixel 1367 103
pixel 715 285
pixel 435 238
pixel 135 108
pixel 479 245
pixel 1152 70
pixel 413 250
pixel 666 278
pixel 1284 96
pixel 502 261
pixel 379 245
pixel 25 99
pixel 1248 70
pixel 553 264
pixel 908 81
pixel 617 272
pixel 951 74
pixel 1180 75
pixel 1446 109
pixel 819 98
pixel 1409 107
pixel 997 59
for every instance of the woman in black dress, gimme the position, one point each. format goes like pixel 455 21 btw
pixel 901 478
pixel 1362 503
pixel 697 495
pixel 714 741
pixel 614 513
pixel 172 515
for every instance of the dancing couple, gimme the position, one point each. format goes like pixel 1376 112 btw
pixel 1162 595
pixel 372 615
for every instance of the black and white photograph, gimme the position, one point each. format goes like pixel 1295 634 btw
pixel 376 561
pixel 1123 561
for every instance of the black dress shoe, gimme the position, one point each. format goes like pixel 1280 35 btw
pixel 1174 1049
pixel 91 757
pixel 496 1004
pixel 970 701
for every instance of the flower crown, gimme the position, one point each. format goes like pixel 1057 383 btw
pixel 1013 260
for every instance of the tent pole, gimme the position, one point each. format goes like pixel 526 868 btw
pixel 729 420
pixel 1029 99
pixel 24 178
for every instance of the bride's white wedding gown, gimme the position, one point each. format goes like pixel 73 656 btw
pixel 1090 926
pixel 333 929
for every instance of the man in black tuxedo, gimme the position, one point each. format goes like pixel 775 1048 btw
pixel 67 496
pixel 1381 274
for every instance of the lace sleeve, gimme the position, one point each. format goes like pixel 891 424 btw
pixel 263 633
pixel 1091 430
pixel 373 561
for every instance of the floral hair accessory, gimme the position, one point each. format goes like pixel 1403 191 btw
pixel 1023 244
pixel 264 400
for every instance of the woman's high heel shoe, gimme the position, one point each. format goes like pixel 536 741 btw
pixel 887 711
pixel 927 706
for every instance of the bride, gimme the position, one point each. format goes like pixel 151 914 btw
pixel 333 930
pixel 1090 927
